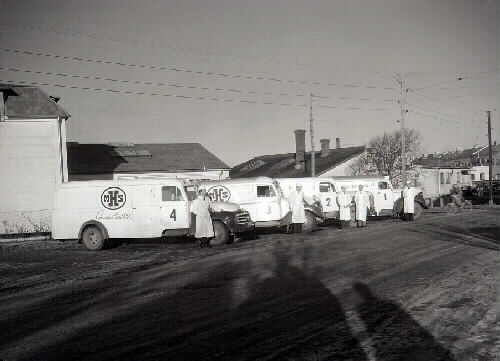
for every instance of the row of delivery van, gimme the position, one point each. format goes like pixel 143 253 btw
pixel 95 211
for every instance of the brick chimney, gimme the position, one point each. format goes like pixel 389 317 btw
pixel 300 146
pixel 325 147
pixel 337 143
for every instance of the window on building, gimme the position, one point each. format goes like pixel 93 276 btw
pixel 472 176
pixel 171 194
pixel 448 178
pixel 482 176
pixel 441 178
pixel 265 191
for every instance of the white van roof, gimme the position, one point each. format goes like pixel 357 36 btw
pixel 304 179
pixel 122 182
pixel 252 180
pixel 360 177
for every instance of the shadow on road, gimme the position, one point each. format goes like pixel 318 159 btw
pixel 395 335
pixel 232 311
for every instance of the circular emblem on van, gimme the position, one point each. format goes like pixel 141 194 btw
pixel 219 194
pixel 113 198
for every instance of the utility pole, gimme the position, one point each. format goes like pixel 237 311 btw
pixel 311 126
pixel 490 162
pixel 403 132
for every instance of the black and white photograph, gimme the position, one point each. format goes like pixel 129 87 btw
pixel 249 180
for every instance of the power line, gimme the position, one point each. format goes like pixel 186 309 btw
pixel 160 84
pixel 177 48
pixel 115 91
pixel 445 103
pixel 438 112
pixel 197 72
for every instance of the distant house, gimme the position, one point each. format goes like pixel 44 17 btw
pixel 438 173
pixel 329 162
pixel 32 157
pixel 128 160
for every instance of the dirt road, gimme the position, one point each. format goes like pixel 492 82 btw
pixel 393 291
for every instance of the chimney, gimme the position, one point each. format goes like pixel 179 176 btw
pixel 300 146
pixel 325 147
pixel 337 143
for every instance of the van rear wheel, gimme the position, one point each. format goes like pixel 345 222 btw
pixel 221 234
pixel 310 224
pixel 93 238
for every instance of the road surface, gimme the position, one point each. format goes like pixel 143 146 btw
pixel 426 290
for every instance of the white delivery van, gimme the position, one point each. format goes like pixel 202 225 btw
pixel 94 211
pixel 387 201
pixel 263 199
pixel 314 188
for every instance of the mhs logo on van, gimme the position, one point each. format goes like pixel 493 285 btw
pixel 113 198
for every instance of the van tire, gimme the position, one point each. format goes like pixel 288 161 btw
pixel 93 238
pixel 221 234
pixel 418 210
pixel 311 224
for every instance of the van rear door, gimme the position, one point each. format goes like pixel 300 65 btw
pixel 327 194
pixel 268 207
pixel 174 208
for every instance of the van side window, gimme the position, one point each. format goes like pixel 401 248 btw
pixel 325 187
pixel 171 194
pixel 265 191
pixel 383 185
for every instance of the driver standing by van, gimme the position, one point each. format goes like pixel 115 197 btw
pixel 297 207
pixel 204 227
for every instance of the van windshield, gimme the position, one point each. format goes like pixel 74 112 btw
pixel 191 192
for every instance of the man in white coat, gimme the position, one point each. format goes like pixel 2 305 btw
pixel 344 203
pixel 297 208
pixel 408 202
pixel 362 201
pixel 204 226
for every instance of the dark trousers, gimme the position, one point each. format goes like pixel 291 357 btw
pixel 344 224
pixel 203 242
pixel 408 217
pixel 297 228
pixel 361 223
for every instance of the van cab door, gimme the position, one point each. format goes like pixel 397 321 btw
pixel 327 194
pixel 174 208
pixel 383 196
pixel 267 203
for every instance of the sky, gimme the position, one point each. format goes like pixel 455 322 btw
pixel 236 76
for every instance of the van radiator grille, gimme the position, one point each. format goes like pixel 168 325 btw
pixel 243 218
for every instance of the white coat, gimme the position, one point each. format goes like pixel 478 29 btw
pixel 296 201
pixel 362 201
pixel 408 200
pixel 344 202
pixel 204 227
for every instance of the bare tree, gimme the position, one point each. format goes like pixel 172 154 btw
pixel 383 155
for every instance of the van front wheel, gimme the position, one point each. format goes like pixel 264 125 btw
pixel 93 238
pixel 310 224
pixel 221 234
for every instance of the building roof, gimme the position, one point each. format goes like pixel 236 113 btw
pixel 140 158
pixel 283 165
pixel 30 102
pixel 459 158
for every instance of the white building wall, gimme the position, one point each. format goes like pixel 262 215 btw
pixel 32 165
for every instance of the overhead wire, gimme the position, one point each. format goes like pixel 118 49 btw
pixel 179 86
pixel 190 71
pixel 116 91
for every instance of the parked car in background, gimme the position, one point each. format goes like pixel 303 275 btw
pixel 95 211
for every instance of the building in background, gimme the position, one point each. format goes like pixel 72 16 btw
pixel 32 157
pixel 329 162
pixel 128 160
